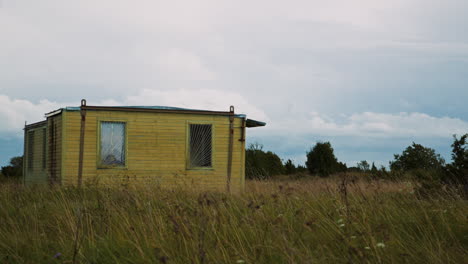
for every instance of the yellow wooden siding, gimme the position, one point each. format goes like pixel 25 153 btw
pixel 54 164
pixel 156 150
pixel 35 172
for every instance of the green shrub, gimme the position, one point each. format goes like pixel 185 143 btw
pixel 416 157
pixel 457 171
pixel 322 161
pixel 260 164
pixel 15 169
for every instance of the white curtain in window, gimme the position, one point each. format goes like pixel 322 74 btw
pixel 113 143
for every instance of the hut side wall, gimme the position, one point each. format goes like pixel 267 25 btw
pixel 54 148
pixel 35 156
pixel 156 145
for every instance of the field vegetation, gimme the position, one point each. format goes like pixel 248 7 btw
pixel 320 212
pixel 346 218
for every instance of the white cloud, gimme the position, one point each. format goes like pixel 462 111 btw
pixel 14 112
pixel 198 99
pixel 369 124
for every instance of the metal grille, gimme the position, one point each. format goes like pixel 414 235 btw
pixel 30 149
pixel 113 143
pixel 200 145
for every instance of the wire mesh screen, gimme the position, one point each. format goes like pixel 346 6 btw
pixel 113 143
pixel 200 145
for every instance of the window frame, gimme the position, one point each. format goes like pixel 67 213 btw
pixel 99 165
pixel 187 145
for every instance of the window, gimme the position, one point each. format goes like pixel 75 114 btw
pixel 112 144
pixel 200 148
pixel 30 149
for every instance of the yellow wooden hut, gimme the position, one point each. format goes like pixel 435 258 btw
pixel 166 146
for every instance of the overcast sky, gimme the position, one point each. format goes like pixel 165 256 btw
pixel 370 76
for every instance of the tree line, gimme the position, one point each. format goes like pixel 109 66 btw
pixel 415 161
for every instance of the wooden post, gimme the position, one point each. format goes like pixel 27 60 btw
pixel 24 154
pixel 82 136
pixel 230 149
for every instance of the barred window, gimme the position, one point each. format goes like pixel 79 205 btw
pixel 112 145
pixel 30 149
pixel 200 149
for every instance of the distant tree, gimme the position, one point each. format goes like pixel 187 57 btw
pixel 373 168
pixel 15 169
pixel 301 169
pixel 460 152
pixel 354 169
pixel 457 171
pixel 341 167
pixel 383 169
pixel 261 164
pixel 321 160
pixel 289 167
pixel 363 165
pixel 415 157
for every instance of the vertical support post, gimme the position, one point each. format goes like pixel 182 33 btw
pixel 242 147
pixel 24 154
pixel 242 139
pixel 82 135
pixel 231 145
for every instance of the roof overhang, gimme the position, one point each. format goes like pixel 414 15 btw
pixel 53 113
pixel 254 123
pixel 36 125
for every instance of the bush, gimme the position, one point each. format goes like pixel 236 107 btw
pixel 457 172
pixel 416 157
pixel 289 167
pixel 363 166
pixel 15 169
pixel 260 164
pixel 322 161
pixel 430 183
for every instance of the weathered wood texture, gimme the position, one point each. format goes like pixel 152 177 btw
pixel 54 145
pixel 156 145
pixel 34 158
pixel 43 152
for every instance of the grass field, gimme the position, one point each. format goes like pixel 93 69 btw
pixel 300 221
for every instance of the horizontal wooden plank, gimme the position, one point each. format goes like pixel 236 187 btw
pixel 156 146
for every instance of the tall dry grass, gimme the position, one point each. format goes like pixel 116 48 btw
pixel 337 220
